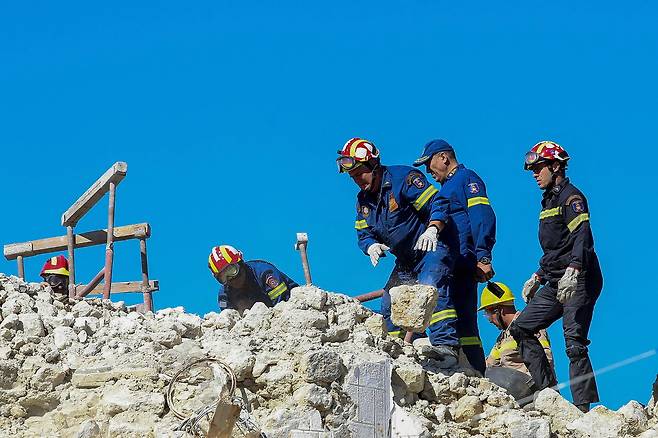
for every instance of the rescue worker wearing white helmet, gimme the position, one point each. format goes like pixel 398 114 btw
pixel 244 283
pixel 393 214
pixel 505 366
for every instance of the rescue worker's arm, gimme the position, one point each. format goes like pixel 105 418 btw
pixel 276 286
pixel 576 216
pixel 482 218
pixel 493 360
pixel 222 299
pixel 363 231
pixel 423 196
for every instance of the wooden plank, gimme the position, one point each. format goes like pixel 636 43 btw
pixel 114 174
pixel 91 238
pixel 223 422
pixel 121 287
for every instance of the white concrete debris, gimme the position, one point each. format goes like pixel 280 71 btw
pixel 412 306
pixel 319 365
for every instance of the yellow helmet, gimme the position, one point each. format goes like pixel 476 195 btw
pixel 496 293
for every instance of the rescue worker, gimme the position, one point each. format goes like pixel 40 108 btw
pixel 569 274
pixel 497 301
pixel 55 273
pixel 471 212
pixel 243 283
pixel 393 214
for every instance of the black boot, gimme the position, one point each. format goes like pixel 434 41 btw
pixel 584 407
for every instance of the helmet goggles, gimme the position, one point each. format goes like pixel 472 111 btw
pixel 532 158
pixel 228 273
pixel 346 164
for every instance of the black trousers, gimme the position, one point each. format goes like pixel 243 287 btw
pixel 542 311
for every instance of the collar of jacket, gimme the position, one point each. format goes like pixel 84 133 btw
pixel 386 184
pixel 454 171
pixel 557 188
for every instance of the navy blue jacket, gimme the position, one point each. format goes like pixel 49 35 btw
pixel 264 283
pixel 470 210
pixel 399 213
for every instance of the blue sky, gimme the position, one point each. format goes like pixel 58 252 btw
pixel 229 115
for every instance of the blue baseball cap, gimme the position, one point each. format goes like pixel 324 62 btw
pixel 432 148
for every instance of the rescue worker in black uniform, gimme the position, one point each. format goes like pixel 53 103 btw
pixel 569 275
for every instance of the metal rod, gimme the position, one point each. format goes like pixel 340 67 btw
pixel 21 267
pixel 109 248
pixel 92 284
pixel 148 298
pixel 70 243
pixel 370 296
pixel 408 336
pixel 307 269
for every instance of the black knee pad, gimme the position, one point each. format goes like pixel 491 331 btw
pixel 577 351
pixel 519 333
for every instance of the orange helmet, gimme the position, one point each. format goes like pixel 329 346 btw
pixel 356 152
pixel 55 265
pixel 222 256
pixel 545 151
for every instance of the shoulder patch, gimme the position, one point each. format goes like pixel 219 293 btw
pixel 577 203
pixel 271 281
pixel 416 178
pixel 364 211
pixel 473 188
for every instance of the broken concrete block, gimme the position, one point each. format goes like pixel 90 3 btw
pixel 466 408
pixel 412 306
pixel 412 375
pixel 322 367
pixel 600 422
pixel 64 337
pixel 559 411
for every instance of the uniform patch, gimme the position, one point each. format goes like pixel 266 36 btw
pixel 578 206
pixel 271 281
pixel 473 188
pixel 392 204
pixel 416 179
pixel 364 210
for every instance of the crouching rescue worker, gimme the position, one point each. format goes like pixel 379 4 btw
pixel 569 274
pixel 243 283
pixel 55 273
pixel 393 214
pixel 474 218
pixel 505 366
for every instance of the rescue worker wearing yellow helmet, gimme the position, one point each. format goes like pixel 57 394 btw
pixel 244 283
pixel 393 213
pixel 497 301
pixel 55 273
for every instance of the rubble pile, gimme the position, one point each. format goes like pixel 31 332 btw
pixel 308 367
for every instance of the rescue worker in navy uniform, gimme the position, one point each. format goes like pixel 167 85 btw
pixel 393 214
pixel 244 283
pixel 569 274
pixel 471 212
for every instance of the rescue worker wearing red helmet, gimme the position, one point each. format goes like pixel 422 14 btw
pixel 55 273
pixel 569 275
pixel 393 214
pixel 244 283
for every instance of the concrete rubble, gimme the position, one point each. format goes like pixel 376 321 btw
pixel 319 365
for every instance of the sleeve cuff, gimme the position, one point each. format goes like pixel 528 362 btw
pixel 482 254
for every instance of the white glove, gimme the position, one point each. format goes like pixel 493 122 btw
pixel 428 240
pixel 530 287
pixel 566 287
pixel 375 251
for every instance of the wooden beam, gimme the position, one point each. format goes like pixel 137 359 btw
pixel 91 238
pixel 114 174
pixel 121 287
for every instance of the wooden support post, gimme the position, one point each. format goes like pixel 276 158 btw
pixel 92 284
pixel 301 245
pixel 109 248
pixel 148 298
pixel 370 296
pixel 70 243
pixel 21 267
pixel 121 287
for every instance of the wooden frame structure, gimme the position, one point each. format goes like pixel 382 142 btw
pixel 107 183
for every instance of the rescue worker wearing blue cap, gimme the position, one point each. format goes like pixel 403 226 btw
pixel 470 210
pixel 392 214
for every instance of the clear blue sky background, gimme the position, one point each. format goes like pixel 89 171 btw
pixel 229 115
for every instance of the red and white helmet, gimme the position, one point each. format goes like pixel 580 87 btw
pixel 55 265
pixel 545 151
pixel 222 256
pixel 356 152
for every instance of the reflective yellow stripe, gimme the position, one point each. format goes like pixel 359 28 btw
pixel 225 254
pixel 509 345
pixel 277 291
pixel 495 353
pixel 470 340
pixel 550 212
pixel 583 217
pixel 477 201
pixel 424 197
pixel 395 334
pixel 545 343
pixel 359 225
pixel 444 314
